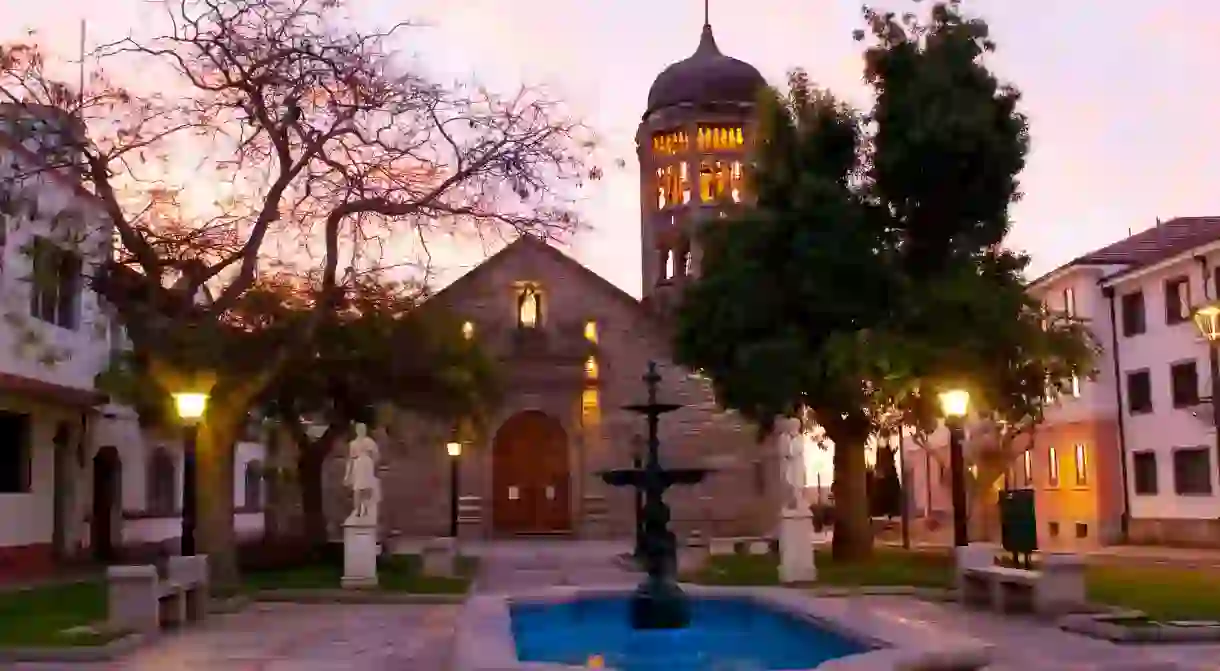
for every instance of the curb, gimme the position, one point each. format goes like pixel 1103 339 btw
pixel 348 596
pixel 74 653
pixel 1109 627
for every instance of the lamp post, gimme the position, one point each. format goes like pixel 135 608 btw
pixel 955 404
pixel 1207 319
pixel 904 509
pixel 191 407
pixel 454 449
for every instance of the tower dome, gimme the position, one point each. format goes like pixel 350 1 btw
pixel 708 76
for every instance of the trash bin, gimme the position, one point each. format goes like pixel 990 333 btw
pixel 1018 524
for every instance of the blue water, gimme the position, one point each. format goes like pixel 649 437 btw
pixel 726 634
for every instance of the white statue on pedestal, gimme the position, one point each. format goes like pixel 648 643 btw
pixel 791 445
pixel 361 477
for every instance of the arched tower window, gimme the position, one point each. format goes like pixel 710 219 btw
pixel 666 265
pixel 682 259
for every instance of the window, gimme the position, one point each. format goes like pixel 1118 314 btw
pixel 720 138
pixel 1184 384
pixel 1075 387
pixel 591 331
pixel 720 181
pixel 14 453
pixel 1052 467
pixel 1192 474
pixel 529 308
pixel 666 257
pixel 161 487
pixel 1177 300
pixel 1053 527
pixel 670 143
pixel 1082 530
pixel 673 185
pixel 254 485
pixel 1082 465
pixel 1134 322
pixel 1139 392
pixel 591 369
pixel 590 407
pixel 1069 302
pixel 681 266
pixel 467 330
pixel 1143 466
pixel 1027 467
pixel 56 284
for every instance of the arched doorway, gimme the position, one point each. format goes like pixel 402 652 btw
pixel 530 476
pixel 107 486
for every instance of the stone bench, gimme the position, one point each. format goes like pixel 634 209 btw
pixel 141 600
pixel 742 545
pixel 1056 589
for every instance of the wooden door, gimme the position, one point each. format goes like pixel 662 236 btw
pixel 530 476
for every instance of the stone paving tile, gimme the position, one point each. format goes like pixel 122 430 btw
pixel 1026 644
pixel 280 637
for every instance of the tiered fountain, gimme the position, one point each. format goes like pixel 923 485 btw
pixel 656 626
pixel 658 603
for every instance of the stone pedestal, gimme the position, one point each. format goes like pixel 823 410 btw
pixel 440 557
pixel 796 548
pixel 359 555
pixel 972 556
pixel 1061 586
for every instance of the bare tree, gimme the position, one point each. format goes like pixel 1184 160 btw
pixel 282 138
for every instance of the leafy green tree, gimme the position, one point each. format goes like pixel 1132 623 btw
pixel 786 282
pixel 871 275
pixel 383 348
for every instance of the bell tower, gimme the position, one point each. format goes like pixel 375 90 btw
pixel 692 144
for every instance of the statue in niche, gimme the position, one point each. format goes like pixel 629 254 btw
pixel 529 308
pixel 361 476
pixel 791 444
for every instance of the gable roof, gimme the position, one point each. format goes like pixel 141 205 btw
pixel 1166 239
pixel 532 242
pixel 1163 241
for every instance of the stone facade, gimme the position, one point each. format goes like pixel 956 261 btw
pixel 545 369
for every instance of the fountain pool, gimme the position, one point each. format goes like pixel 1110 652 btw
pixel 725 633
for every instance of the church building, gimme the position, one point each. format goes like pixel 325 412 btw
pixel 573 349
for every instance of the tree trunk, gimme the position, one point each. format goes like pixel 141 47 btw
pixel 214 494
pixel 310 461
pixel 983 513
pixel 853 531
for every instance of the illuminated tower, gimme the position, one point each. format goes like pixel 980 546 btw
pixel 692 144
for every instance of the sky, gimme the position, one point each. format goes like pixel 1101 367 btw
pixel 1121 97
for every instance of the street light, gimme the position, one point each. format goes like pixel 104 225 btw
pixel 191 407
pixel 904 510
pixel 454 449
pixel 1207 319
pixel 955 404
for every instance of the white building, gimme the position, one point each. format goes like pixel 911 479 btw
pixel 75 471
pixel 1132 455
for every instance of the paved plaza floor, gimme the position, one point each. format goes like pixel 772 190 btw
pixel 284 637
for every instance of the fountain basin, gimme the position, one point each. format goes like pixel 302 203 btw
pixel 724 632
pixel 754 629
